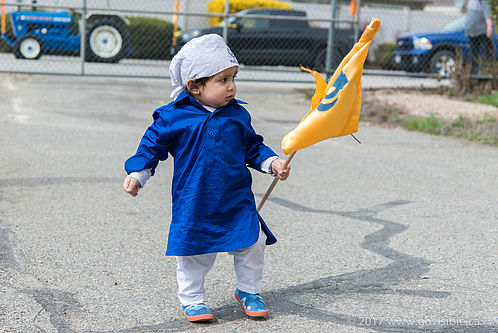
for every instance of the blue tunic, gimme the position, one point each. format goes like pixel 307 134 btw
pixel 213 204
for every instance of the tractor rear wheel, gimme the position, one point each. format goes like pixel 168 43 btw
pixel 28 47
pixel 106 40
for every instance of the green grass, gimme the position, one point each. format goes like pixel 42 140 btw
pixel 432 124
pixel 487 118
pixel 483 130
pixel 491 99
pixel 478 137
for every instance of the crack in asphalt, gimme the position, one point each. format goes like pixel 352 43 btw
pixel 378 281
pixel 381 281
pixel 7 257
pixel 56 303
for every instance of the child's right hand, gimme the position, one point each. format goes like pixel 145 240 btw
pixel 131 185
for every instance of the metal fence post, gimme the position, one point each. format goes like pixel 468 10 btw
pixel 225 23
pixel 330 39
pixel 83 37
pixel 357 23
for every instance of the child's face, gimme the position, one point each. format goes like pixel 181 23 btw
pixel 219 90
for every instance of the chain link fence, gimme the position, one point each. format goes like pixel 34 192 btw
pixel 138 38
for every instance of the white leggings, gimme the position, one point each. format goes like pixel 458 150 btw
pixel 248 263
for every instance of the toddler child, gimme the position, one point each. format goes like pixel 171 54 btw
pixel 209 135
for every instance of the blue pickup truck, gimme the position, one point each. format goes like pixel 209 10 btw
pixel 436 51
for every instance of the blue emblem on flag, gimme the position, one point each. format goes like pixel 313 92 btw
pixel 338 84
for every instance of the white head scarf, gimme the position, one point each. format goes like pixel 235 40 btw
pixel 201 57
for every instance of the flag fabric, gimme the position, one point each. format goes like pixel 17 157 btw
pixel 335 107
pixel 353 7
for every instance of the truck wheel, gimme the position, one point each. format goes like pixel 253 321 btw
pixel 443 63
pixel 106 40
pixel 28 47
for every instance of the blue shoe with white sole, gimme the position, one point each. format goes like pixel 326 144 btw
pixel 252 303
pixel 197 312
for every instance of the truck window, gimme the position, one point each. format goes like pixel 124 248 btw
pixel 250 23
pixel 289 24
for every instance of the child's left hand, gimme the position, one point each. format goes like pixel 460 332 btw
pixel 277 168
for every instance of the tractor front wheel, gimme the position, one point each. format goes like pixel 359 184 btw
pixel 106 40
pixel 28 47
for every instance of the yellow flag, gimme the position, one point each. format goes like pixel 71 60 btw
pixel 335 108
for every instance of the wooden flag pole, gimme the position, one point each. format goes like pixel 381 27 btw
pixel 274 183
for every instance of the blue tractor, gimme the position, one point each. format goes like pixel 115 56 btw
pixel 38 32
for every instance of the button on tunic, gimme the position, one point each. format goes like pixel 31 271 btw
pixel 213 204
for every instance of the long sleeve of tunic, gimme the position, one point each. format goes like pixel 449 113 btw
pixel 213 207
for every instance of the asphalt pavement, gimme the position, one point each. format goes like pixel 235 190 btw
pixel 396 234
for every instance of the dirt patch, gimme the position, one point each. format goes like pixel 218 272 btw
pixel 423 103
